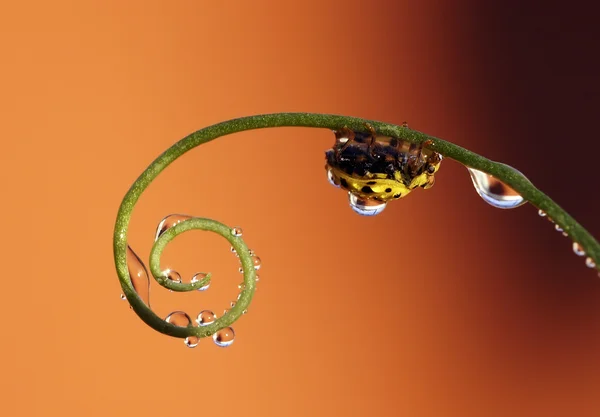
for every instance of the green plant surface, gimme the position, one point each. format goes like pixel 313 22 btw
pixel 500 171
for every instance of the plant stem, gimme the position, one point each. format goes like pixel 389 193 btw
pixel 333 122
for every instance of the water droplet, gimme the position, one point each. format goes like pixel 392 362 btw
pixel 365 206
pixel 123 297
pixel 256 278
pixel 192 341
pixel 138 275
pixel 179 318
pixel 236 231
pixel 589 262
pixel 232 249
pixel 199 277
pixel 241 270
pixel 224 337
pixel 256 260
pixel 245 311
pixel 558 228
pixel 542 213
pixel 168 222
pixel 205 318
pixel 578 249
pixel 173 276
pixel 241 286
pixel 232 304
pixel 495 192
pixel 330 178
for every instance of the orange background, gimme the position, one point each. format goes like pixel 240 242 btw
pixel 441 306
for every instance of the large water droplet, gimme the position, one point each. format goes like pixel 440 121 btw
pixel 495 192
pixel 365 206
pixel 179 318
pixel 168 222
pixel 578 250
pixel 199 277
pixel 173 276
pixel 236 231
pixel 224 337
pixel 257 262
pixel 192 341
pixel 138 275
pixel 205 317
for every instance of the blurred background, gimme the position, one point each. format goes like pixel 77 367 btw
pixel 440 306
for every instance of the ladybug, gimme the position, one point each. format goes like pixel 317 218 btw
pixel 375 169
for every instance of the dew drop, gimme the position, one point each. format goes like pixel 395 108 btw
pixel 179 318
pixel 495 192
pixel 365 206
pixel 168 222
pixel 232 304
pixel 232 249
pixel 192 341
pixel 224 337
pixel 578 249
pixel 138 275
pixel 542 213
pixel 199 277
pixel 123 297
pixel 256 278
pixel 558 228
pixel 236 231
pixel 173 276
pixel 256 261
pixel 205 318
pixel 241 270
pixel 245 311
pixel 241 286
pixel 589 262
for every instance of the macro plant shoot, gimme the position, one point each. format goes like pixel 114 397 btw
pixel 372 163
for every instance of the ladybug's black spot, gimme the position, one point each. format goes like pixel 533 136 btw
pixel 372 182
pixel 388 190
pixel 367 190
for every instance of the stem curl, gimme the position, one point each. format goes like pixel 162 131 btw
pixel 333 122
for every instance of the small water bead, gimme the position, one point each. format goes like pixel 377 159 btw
pixel 589 262
pixel 331 179
pixel 138 275
pixel 199 277
pixel 495 192
pixel 542 213
pixel 558 228
pixel 179 318
pixel 578 250
pixel 123 297
pixel 224 337
pixel 192 341
pixel 241 286
pixel 256 278
pixel 256 261
pixel 205 318
pixel 365 206
pixel 168 222
pixel 232 304
pixel 232 249
pixel 236 231
pixel 173 276
pixel 245 311
pixel 241 270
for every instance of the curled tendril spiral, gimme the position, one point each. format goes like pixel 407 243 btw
pixel 509 176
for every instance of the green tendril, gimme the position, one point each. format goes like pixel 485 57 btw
pixel 500 171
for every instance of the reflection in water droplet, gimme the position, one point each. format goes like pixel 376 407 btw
pixel 241 286
pixel 224 337
pixel 168 222
pixel 365 206
pixel 191 341
pixel 542 213
pixel 578 249
pixel 232 304
pixel 232 249
pixel 494 191
pixel 330 178
pixel 179 318
pixel 199 277
pixel 173 276
pixel 138 275
pixel 236 231
pixel 241 270
pixel 589 262
pixel 123 297
pixel 205 318
pixel 558 228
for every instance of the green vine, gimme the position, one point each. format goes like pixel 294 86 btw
pixel 333 122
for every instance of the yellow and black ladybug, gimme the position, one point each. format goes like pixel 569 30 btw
pixel 375 169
